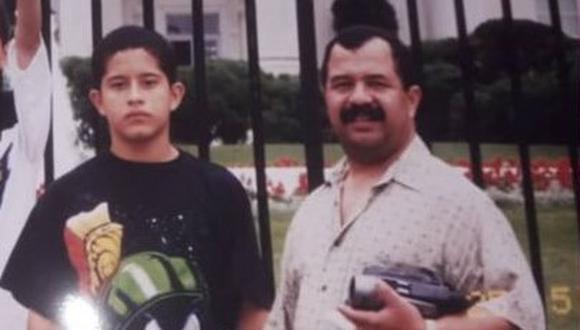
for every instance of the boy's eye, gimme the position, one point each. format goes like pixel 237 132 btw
pixel 117 84
pixel 150 82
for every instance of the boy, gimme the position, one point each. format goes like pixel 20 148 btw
pixel 148 235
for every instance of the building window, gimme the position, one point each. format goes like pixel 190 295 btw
pixel 180 34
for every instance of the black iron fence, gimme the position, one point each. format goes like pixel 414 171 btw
pixel 310 99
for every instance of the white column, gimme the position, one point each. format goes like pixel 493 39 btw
pixel 113 15
pixel 75 23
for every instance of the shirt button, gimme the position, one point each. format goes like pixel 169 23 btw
pixel 323 288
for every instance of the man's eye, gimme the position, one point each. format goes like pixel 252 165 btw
pixel 341 85
pixel 377 84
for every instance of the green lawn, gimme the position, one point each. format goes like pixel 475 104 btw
pixel 242 155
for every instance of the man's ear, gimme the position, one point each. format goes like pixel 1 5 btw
pixel 177 93
pixel 96 100
pixel 414 95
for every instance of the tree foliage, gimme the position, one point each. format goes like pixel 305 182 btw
pixel 227 97
pixel 377 13
pixel 542 117
pixel 545 117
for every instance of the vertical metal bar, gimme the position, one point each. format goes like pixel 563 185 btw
pixel 258 131
pixel 200 102
pixel 148 14
pixel 49 149
pixel 566 100
pixel 467 69
pixel 98 124
pixel 97 21
pixel 523 148
pixel 416 44
pixel 417 53
pixel 309 102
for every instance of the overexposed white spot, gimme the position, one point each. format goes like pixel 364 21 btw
pixel 79 313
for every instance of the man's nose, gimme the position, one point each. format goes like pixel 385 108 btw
pixel 360 95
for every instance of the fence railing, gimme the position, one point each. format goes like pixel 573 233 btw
pixel 309 103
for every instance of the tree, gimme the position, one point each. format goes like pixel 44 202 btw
pixel 377 13
pixel 542 118
pixel 228 104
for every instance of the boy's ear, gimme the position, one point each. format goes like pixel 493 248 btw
pixel 177 92
pixel 96 100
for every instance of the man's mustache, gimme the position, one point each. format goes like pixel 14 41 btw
pixel 368 112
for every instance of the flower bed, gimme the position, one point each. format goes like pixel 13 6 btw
pixel 287 183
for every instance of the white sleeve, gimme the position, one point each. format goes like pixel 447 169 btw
pixel 32 97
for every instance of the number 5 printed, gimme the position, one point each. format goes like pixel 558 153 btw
pixel 561 300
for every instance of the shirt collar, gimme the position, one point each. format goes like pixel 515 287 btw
pixel 405 170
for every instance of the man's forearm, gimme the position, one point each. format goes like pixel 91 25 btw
pixel 469 321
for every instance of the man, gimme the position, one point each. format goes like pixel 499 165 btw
pixel 24 126
pixel 145 235
pixel 390 202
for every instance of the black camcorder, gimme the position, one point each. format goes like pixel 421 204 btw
pixel 420 286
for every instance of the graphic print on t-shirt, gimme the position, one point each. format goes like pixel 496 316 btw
pixel 145 290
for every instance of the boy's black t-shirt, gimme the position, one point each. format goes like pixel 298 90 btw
pixel 171 245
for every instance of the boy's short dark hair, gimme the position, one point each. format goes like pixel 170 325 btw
pixel 133 37
pixel 353 38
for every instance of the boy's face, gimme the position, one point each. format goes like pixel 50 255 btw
pixel 136 98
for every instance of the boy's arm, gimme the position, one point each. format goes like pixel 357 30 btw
pixel 37 322
pixel 27 34
pixel 252 317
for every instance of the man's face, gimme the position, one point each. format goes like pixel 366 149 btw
pixel 136 98
pixel 369 109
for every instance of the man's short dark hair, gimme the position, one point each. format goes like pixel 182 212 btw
pixel 133 37
pixel 355 37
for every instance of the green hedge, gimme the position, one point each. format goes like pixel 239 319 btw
pixel 443 111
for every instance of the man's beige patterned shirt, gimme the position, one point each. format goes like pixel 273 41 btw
pixel 422 212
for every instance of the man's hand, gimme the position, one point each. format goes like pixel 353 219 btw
pixel 397 313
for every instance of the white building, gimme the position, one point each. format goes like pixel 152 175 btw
pixel 225 32
pixel 225 28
